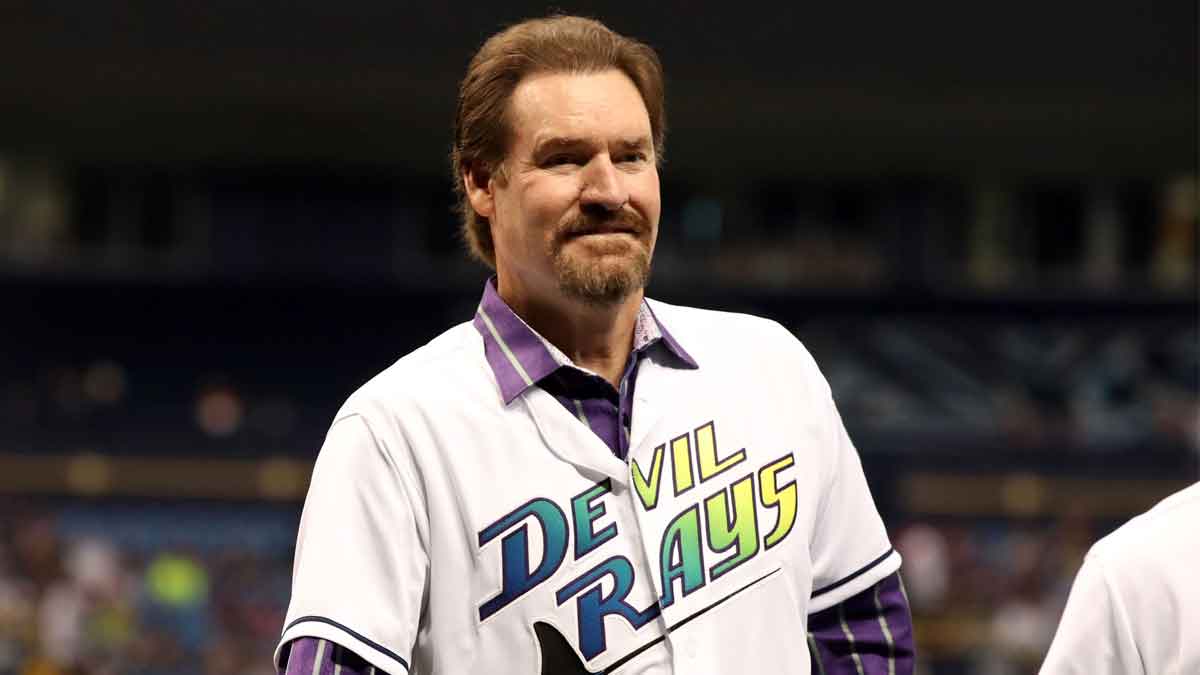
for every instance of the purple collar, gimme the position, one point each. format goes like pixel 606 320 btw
pixel 520 358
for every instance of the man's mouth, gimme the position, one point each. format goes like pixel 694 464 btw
pixel 602 233
pixel 604 229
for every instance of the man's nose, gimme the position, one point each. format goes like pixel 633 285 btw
pixel 602 185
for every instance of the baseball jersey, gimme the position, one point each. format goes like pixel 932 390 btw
pixel 1132 607
pixel 464 531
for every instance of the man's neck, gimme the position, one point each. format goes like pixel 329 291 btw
pixel 596 337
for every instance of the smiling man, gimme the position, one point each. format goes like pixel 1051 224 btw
pixel 581 479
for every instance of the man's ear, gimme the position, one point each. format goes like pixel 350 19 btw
pixel 477 183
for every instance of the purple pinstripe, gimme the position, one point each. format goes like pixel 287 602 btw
pixel 302 659
pixel 849 638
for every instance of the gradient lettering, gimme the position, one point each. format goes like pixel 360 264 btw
pixel 591 605
pixel 518 579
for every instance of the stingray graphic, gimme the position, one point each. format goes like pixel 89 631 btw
pixel 558 657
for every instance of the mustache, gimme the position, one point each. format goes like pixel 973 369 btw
pixel 627 221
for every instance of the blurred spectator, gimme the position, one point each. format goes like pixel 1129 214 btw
pixel 994 258
pixel 219 410
pixel 986 595
pixel 1174 263
pixel 1105 239
pixel 83 605
pixel 33 213
pixel 926 566
pixel 104 382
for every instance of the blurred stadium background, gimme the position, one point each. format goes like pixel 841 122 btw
pixel 217 219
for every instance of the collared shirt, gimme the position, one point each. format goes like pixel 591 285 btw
pixel 520 358
pixel 867 634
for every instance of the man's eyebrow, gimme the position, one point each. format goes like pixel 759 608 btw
pixel 558 143
pixel 553 143
pixel 635 143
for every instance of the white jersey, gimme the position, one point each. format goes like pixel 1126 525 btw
pixel 1133 607
pixel 446 532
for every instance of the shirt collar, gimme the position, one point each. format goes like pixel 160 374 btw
pixel 520 358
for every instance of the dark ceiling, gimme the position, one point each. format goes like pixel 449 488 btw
pixel 944 86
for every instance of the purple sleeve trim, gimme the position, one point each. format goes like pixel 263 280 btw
pixel 870 633
pixel 314 656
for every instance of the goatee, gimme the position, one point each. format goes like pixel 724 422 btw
pixel 620 268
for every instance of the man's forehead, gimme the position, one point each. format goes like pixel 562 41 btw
pixel 559 107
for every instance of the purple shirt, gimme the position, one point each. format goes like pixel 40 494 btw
pixel 867 634
pixel 520 358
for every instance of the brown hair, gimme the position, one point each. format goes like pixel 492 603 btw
pixel 554 44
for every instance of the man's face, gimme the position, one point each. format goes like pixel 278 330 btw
pixel 576 210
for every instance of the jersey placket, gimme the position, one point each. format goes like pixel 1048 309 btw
pixel 625 401
pixel 591 400
pixel 648 536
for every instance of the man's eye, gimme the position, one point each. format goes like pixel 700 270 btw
pixel 634 157
pixel 559 160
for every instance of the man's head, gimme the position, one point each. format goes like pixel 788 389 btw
pixel 559 132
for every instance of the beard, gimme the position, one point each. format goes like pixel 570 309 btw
pixel 602 272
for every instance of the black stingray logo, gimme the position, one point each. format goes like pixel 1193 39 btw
pixel 558 656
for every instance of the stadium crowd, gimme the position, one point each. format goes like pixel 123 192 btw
pixel 123 591
pixel 86 603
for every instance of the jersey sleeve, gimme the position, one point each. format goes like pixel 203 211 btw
pixel 307 655
pixel 1094 635
pixel 869 633
pixel 849 548
pixel 361 565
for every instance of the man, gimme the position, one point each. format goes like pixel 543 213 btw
pixel 582 480
pixel 1132 607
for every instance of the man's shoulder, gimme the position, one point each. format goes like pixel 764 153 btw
pixel 1160 536
pixel 712 325
pixel 716 332
pixel 445 363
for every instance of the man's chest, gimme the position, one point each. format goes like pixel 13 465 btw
pixel 717 498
